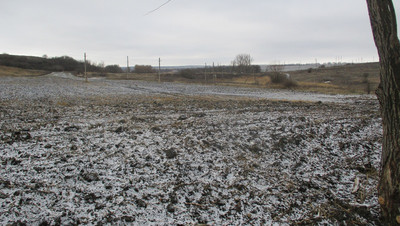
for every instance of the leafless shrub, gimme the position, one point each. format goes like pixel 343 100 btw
pixel 290 83
pixel 278 78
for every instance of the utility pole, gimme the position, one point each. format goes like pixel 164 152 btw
pixel 214 75
pixel 205 72
pixel 159 69
pixel 86 79
pixel 127 66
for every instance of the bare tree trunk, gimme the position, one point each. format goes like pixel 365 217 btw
pixel 384 27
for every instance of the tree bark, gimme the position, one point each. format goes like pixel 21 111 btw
pixel 384 28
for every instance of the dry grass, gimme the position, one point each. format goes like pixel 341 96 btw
pixel 327 88
pixel 246 81
pixel 253 80
pixel 339 79
pixel 19 72
pixel 133 76
pixel 346 79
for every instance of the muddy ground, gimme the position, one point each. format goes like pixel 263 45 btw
pixel 173 158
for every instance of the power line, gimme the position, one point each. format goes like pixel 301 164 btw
pixel 152 11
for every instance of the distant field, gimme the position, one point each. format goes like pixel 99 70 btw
pixel 19 72
pixel 345 79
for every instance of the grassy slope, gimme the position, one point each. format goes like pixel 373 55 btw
pixel 19 72
pixel 345 79
pixel 339 79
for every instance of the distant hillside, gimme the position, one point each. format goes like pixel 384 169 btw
pixel 20 72
pixel 354 78
pixel 63 63
pixel 341 74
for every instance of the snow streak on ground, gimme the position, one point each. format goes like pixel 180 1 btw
pixel 116 152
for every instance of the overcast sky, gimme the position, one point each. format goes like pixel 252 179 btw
pixel 189 32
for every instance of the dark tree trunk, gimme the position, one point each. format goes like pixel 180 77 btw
pixel 384 27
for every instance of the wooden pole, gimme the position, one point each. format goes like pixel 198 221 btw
pixel 127 66
pixel 86 79
pixel 205 72
pixel 159 69
pixel 214 75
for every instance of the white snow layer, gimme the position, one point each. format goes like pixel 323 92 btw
pixel 130 152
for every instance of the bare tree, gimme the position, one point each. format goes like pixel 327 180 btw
pixel 243 62
pixel 278 68
pixel 384 28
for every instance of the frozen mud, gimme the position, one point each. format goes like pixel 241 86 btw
pixel 128 152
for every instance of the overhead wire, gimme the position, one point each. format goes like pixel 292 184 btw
pixel 152 11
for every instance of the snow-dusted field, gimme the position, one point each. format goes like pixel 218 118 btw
pixel 67 85
pixel 129 152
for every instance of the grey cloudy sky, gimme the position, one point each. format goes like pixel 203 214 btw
pixel 189 32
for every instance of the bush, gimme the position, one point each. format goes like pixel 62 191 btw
pixel 289 83
pixel 285 80
pixel 144 69
pixel 187 73
pixel 113 69
pixel 278 78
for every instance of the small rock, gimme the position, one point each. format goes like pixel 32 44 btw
pixel 155 129
pixel 172 198
pixel 3 195
pixel 18 223
pixel 14 161
pixel 239 187
pixel 91 198
pixel 170 153
pixel 44 223
pixel 90 176
pixel 72 129
pixel 120 129
pixel 99 206
pixel 128 219
pixel 18 193
pixel 200 115
pixel 255 149
pixel 170 208
pixel 141 203
pixel 183 117
pixel 21 136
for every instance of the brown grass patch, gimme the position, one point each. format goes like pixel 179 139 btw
pixel 19 72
